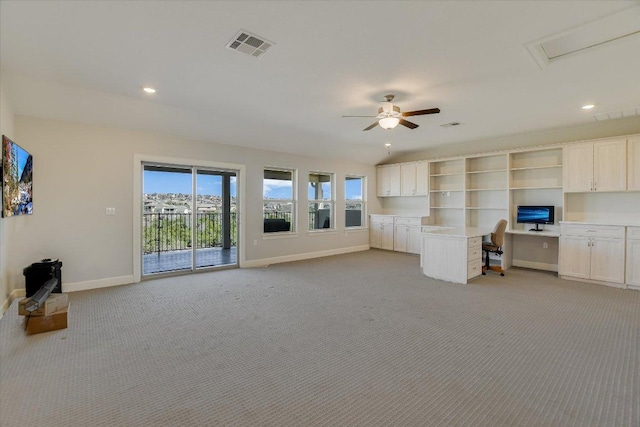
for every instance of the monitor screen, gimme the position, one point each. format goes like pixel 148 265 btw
pixel 535 214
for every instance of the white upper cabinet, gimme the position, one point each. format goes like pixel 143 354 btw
pixel 414 178
pixel 633 172
pixel 388 180
pixel 403 179
pixel 610 166
pixel 422 178
pixel 595 166
pixel 578 167
pixel 408 174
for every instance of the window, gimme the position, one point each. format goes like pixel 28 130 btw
pixel 279 205
pixel 320 201
pixel 354 190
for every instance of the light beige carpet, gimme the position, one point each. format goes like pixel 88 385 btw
pixel 355 340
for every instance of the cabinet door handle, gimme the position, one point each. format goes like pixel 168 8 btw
pixel 595 185
pixel 591 185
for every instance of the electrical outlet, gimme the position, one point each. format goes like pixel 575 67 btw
pixel 545 245
pixel 110 211
pixel 255 243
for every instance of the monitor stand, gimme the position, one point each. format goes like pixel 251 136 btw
pixel 536 229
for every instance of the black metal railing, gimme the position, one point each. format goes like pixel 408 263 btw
pixel 163 232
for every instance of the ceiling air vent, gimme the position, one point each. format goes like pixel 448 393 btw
pixel 627 112
pixel 451 124
pixel 585 37
pixel 249 43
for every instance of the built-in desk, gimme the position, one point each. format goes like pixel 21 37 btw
pixel 534 233
pixel 531 249
pixel 453 254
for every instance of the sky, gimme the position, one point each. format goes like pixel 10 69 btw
pixel 173 182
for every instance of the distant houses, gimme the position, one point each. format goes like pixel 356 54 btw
pixel 181 204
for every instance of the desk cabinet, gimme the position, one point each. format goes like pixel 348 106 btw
pixel 381 232
pixel 592 252
pixel 455 259
pixel 633 257
pixel 407 235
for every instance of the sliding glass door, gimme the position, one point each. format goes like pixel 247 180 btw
pixel 188 218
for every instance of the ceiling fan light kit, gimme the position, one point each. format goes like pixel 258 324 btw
pixel 388 122
pixel 389 115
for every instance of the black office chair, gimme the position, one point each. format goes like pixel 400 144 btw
pixel 494 246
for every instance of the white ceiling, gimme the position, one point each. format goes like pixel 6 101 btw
pixel 87 62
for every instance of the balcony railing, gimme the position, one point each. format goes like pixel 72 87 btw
pixel 164 232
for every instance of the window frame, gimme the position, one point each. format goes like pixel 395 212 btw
pixel 362 200
pixel 331 202
pixel 293 227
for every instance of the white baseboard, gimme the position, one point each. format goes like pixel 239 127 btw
pixel 595 282
pixel 15 294
pixel 534 265
pixel 95 284
pixel 299 257
pixel 634 287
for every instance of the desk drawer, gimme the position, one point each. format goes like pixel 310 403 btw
pixel 474 253
pixel 474 268
pixel 475 241
pixel 585 230
pixel 417 222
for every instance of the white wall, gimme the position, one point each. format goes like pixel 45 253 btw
pixel 7 225
pixel 79 170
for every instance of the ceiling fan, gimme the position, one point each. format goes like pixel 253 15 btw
pixel 389 115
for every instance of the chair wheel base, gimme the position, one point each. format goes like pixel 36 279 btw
pixel 502 274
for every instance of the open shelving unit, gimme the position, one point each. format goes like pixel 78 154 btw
pixel 535 178
pixel 447 185
pixel 486 192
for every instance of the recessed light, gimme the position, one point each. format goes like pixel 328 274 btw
pixel 588 107
pixel 149 89
pixel 387 145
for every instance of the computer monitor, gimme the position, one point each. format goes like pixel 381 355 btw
pixel 535 215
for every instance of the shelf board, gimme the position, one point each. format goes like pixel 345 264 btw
pixel 559 187
pixel 486 189
pixel 536 167
pixel 445 191
pixel 447 174
pixel 447 207
pixel 488 171
pixel 489 208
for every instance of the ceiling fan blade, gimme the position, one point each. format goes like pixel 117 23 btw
pixel 421 112
pixel 408 124
pixel 372 126
pixel 357 116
